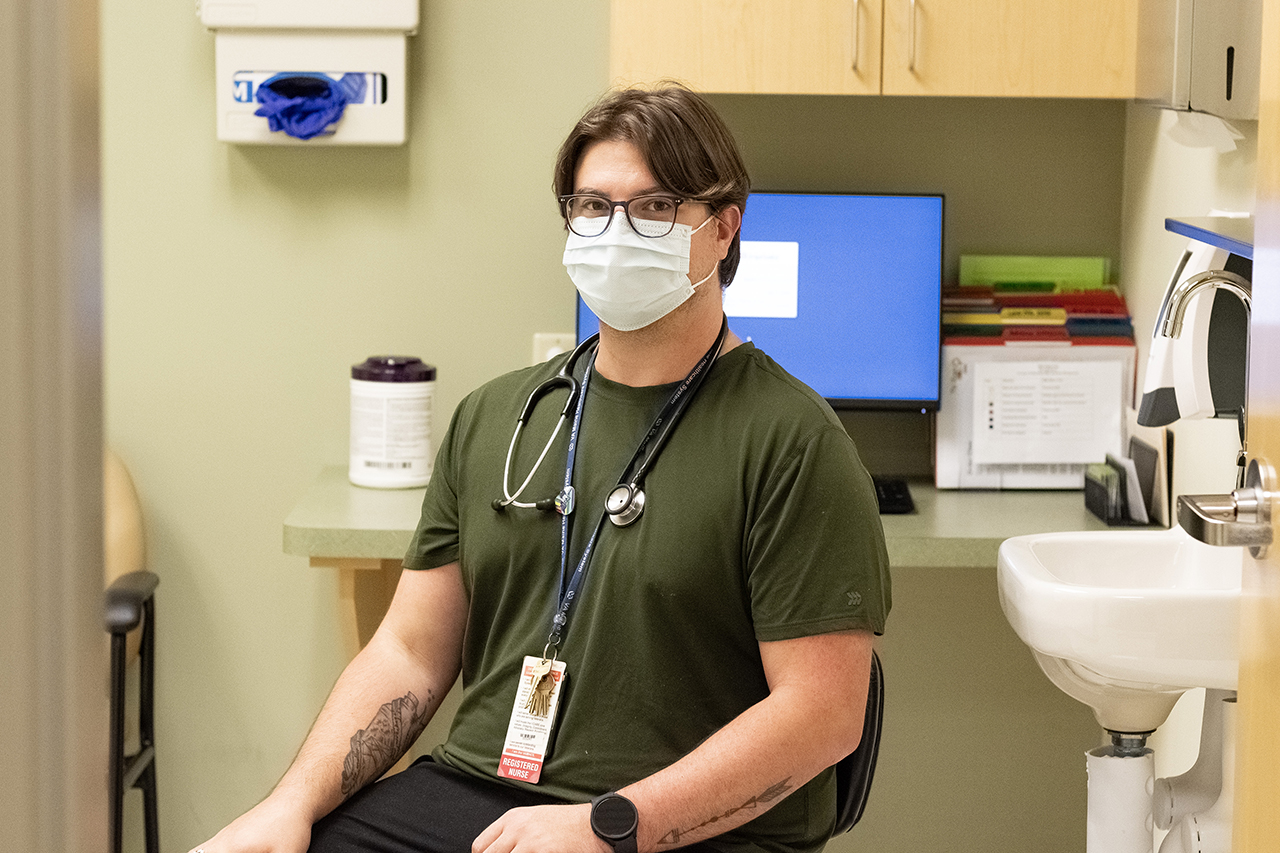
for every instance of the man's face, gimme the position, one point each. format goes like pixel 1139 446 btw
pixel 615 169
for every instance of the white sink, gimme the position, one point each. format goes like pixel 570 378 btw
pixel 1125 620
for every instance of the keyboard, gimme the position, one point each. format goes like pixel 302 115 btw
pixel 893 496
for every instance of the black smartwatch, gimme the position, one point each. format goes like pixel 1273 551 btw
pixel 614 820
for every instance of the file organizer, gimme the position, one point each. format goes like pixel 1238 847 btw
pixel 981 445
pixel 257 39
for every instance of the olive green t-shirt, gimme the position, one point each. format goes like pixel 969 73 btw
pixel 760 524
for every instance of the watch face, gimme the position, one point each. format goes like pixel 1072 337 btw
pixel 614 816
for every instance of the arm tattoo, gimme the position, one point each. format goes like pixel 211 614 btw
pixel 766 798
pixel 374 749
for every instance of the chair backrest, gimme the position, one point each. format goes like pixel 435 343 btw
pixel 854 771
pixel 124 545
pixel 129 616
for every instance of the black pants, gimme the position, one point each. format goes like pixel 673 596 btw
pixel 427 808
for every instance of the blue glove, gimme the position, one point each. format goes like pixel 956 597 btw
pixel 303 105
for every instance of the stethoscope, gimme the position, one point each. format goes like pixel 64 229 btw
pixel 625 501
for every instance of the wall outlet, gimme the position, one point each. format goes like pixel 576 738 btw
pixel 549 344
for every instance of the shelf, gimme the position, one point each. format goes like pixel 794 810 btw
pixel 1225 232
pixel 336 520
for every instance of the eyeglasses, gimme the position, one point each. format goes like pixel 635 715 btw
pixel 589 215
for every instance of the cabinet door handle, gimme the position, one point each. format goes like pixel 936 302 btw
pixel 855 35
pixel 911 46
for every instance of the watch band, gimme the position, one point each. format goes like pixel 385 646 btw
pixel 614 820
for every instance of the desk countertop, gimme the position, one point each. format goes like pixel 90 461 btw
pixel 948 529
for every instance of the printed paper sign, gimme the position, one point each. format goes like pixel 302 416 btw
pixel 1046 412
pixel 767 281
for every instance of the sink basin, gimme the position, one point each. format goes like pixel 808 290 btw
pixel 1117 615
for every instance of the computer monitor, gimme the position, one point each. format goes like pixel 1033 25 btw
pixel 844 291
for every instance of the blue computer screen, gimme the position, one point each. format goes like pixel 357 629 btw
pixel 844 291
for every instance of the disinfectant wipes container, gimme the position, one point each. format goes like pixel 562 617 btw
pixel 391 422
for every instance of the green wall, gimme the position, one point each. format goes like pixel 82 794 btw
pixel 1020 176
pixel 242 282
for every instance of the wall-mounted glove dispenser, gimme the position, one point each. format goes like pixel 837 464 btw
pixel 311 72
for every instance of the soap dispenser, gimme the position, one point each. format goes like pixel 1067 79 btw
pixel 1199 347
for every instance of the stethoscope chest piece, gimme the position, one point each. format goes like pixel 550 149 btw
pixel 624 504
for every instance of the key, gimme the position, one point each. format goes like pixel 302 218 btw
pixel 539 702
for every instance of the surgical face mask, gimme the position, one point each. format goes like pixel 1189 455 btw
pixel 631 281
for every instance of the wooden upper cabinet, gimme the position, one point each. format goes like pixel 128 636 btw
pixel 1019 48
pixel 1016 48
pixel 829 47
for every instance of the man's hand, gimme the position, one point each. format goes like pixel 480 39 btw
pixel 266 828
pixel 540 829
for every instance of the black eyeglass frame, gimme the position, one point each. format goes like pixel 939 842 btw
pixel 626 211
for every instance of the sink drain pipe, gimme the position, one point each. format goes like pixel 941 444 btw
pixel 1121 782
pixel 1206 830
pixel 1199 788
pixel 1126 801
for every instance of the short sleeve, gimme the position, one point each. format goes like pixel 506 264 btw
pixel 815 555
pixel 436 541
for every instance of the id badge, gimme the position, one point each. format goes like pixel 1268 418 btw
pixel 533 717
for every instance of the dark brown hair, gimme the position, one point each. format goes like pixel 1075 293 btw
pixel 682 139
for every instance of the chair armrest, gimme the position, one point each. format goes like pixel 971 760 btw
pixel 124 600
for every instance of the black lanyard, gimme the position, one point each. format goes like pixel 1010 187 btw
pixel 657 435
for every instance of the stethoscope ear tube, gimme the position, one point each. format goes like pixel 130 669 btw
pixel 544 505
pixel 563 378
pixel 625 502
pixel 547 387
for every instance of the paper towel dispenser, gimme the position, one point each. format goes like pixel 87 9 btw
pixel 1202 55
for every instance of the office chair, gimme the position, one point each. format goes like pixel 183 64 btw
pixel 129 603
pixel 854 771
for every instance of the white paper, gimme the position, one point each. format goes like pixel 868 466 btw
pixel 1046 412
pixel 1201 130
pixel 1132 488
pixel 767 281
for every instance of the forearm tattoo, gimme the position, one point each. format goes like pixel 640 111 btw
pixel 374 749
pixel 774 792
